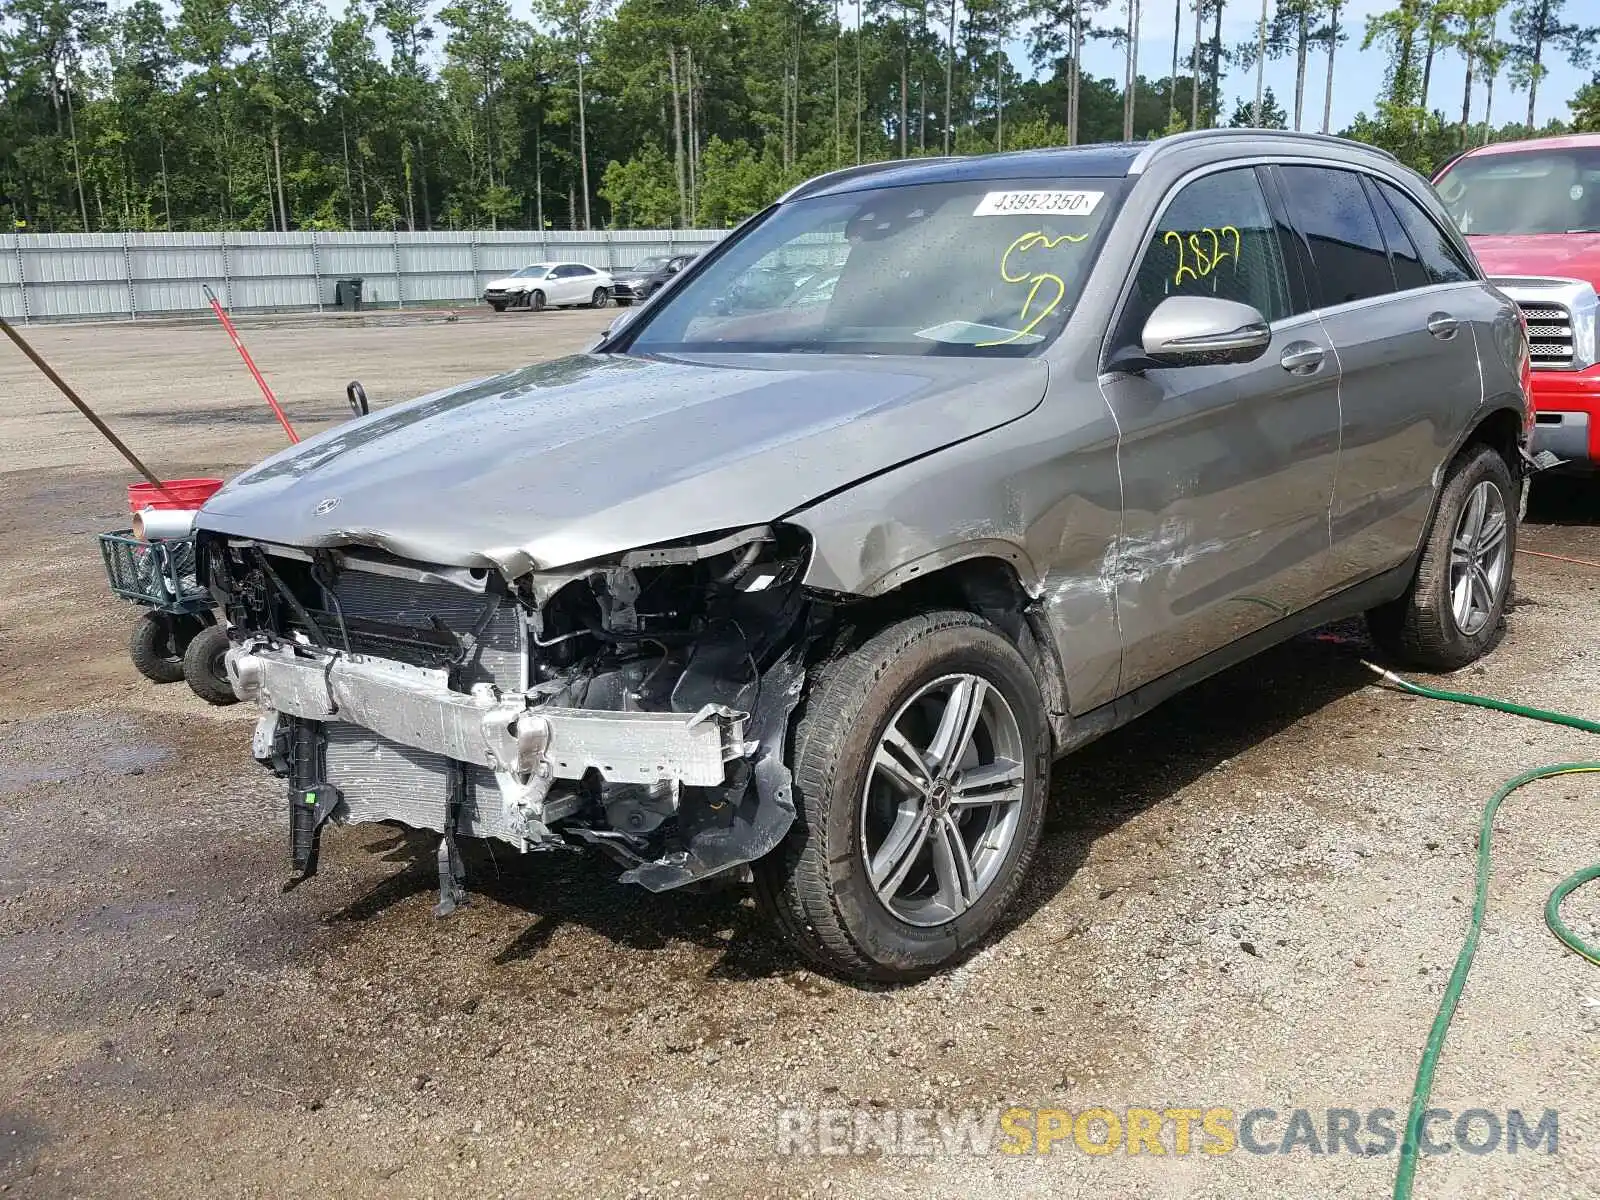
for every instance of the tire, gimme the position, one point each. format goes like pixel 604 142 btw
pixel 1426 628
pixel 156 645
pixel 534 300
pixel 816 886
pixel 600 299
pixel 203 666
pixel 499 308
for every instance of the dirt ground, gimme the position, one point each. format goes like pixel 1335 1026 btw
pixel 1250 899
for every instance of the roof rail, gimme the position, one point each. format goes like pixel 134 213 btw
pixel 829 178
pixel 1173 141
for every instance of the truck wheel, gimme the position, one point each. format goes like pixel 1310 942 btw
pixel 920 764
pixel 204 668
pixel 156 646
pixel 1451 614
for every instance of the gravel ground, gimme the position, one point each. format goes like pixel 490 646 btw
pixel 1249 899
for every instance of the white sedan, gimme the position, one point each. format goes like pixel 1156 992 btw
pixel 550 285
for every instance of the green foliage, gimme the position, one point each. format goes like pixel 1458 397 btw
pixel 418 114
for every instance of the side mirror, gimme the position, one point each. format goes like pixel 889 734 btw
pixel 357 395
pixel 1193 331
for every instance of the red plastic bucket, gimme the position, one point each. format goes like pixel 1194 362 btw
pixel 173 494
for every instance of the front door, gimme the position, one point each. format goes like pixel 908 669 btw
pixel 1227 471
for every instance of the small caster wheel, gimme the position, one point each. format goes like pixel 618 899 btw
pixel 204 668
pixel 156 646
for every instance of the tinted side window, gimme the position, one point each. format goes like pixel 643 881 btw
pixel 1216 238
pixel 1348 256
pixel 1403 256
pixel 1440 258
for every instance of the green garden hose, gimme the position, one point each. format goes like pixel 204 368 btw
pixel 1552 908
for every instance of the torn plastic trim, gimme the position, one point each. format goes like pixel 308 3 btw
pixel 761 797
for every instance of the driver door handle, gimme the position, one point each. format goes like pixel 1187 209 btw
pixel 1442 325
pixel 1302 358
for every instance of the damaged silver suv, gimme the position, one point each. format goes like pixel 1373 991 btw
pixel 927 474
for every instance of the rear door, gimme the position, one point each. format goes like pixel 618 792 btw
pixel 1227 471
pixel 1408 362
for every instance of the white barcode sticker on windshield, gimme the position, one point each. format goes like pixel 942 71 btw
pixel 1040 204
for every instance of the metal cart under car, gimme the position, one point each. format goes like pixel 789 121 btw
pixel 180 636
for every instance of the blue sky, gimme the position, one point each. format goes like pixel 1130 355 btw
pixel 1358 76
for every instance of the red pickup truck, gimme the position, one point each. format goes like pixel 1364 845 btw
pixel 1531 212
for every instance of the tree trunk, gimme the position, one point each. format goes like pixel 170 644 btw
pixel 583 142
pixel 838 34
pixel 1466 97
pixel 1075 82
pixel 1216 65
pixel 905 72
pixel 422 184
pixel 538 172
pixel 858 81
pixel 694 136
pixel 1302 47
pixel 999 64
pixel 277 165
pixel 166 196
pixel 1533 74
pixel 349 183
pixel 1261 66
pixel 1427 71
pixel 77 168
pixel 1333 44
pixel 950 80
pixel 1172 82
pixel 677 140
pixel 922 79
pixel 1127 72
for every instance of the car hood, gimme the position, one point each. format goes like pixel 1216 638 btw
pixel 510 283
pixel 632 276
pixel 591 455
pixel 1559 255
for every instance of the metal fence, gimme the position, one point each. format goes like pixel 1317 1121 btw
pixel 56 276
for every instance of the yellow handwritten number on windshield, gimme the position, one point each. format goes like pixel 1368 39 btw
pixel 1037 281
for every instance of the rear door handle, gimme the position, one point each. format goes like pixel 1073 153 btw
pixel 1302 358
pixel 1442 325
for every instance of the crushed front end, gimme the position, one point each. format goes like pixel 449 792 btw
pixel 637 706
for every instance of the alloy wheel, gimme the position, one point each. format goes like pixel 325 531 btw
pixel 1478 559
pixel 942 802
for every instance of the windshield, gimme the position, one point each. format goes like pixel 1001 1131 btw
pixel 532 273
pixel 648 266
pixel 1525 191
pixel 974 267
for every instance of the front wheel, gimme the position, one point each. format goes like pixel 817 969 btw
pixel 1452 612
pixel 499 306
pixel 920 765
pixel 535 300
pixel 600 299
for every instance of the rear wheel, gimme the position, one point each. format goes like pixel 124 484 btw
pixel 1451 614
pixel 156 645
pixel 204 666
pixel 920 770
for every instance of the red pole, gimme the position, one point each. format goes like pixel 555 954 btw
pixel 266 391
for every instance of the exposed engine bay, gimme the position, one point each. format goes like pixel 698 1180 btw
pixel 636 706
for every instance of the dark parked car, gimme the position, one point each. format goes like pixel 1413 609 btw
pixel 644 278
pixel 814 595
